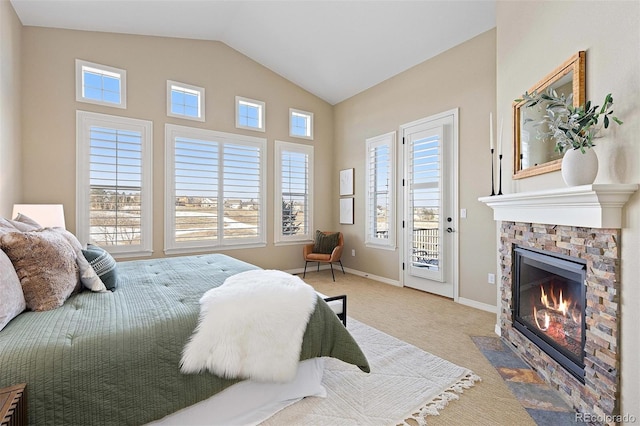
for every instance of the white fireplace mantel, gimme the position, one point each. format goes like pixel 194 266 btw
pixel 591 206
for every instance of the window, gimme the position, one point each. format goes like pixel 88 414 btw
pixel 300 124
pixel 215 190
pixel 101 84
pixel 249 114
pixel 294 192
pixel 185 101
pixel 114 183
pixel 380 204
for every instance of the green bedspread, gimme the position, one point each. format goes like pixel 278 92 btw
pixel 113 358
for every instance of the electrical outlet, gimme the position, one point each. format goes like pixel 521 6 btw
pixel 491 278
pixel 353 252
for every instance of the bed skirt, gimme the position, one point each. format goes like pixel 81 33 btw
pixel 250 403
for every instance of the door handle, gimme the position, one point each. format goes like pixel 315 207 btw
pixel 450 230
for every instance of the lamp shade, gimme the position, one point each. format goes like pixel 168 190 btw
pixel 47 215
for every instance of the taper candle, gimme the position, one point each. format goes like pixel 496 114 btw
pixel 491 130
pixel 500 137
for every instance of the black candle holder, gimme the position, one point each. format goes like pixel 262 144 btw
pixel 493 192
pixel 500 174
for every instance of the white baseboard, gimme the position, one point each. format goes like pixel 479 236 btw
pixel 395 283
pixel 497 330
pixel 478 305
pixel 338 271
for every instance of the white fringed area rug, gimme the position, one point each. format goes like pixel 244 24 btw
pixel 405 383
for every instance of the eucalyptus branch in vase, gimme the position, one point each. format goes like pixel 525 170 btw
pixel 568 126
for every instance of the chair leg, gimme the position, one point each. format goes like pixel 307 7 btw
pixel 330 264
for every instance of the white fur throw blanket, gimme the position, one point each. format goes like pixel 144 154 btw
pixel 251 327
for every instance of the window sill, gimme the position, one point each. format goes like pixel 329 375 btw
pixel 292 243
pixel 380 246
pixel 194 250
pixel 129 254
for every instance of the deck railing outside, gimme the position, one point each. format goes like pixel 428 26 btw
pixel 426 246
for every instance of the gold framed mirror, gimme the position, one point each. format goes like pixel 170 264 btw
pixel 531 156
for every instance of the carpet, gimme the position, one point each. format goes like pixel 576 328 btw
pixel 405 383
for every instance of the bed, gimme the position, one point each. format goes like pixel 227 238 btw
pixel 113 358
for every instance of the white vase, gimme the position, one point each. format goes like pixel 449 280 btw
pixel 579 168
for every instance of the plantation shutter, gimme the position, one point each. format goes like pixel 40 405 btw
pixel 380 217
pixel 425 197
pixel 241 196
pixel 115 174
pixel 195 195
pixel 379 192
pixel 295 192
pixel 214 190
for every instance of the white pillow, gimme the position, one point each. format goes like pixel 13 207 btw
pixel 12 301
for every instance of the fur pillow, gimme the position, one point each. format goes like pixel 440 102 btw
pixel 46 265
pixel 11 297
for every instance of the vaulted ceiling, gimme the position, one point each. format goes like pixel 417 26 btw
pixel 333 49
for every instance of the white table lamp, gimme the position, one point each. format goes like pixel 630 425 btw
pixel 47 215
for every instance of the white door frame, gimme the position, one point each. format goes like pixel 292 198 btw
pixel 403 196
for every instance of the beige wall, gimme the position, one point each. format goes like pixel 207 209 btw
pixel 49 111
pixel 10 99
pixel 463 77
pixel 534 38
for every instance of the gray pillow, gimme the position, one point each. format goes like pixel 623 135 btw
pixel 88 275
pixel 325 243
pixel 12 301
pixel 23 226
pixel 6 226
pixel 104 264
pixel 24 223
pixel 23 218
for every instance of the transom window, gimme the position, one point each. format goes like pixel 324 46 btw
pixel 215 190
pixel 185 101
pixel 380 203
pixel 100 84
pixel 114 183
pixel 294 192
pixel 300 124
pixel 250 114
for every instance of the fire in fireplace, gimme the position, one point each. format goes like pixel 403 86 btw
pixel 549 302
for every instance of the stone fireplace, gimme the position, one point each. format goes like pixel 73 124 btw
pixel 597 389
pixel 574 344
